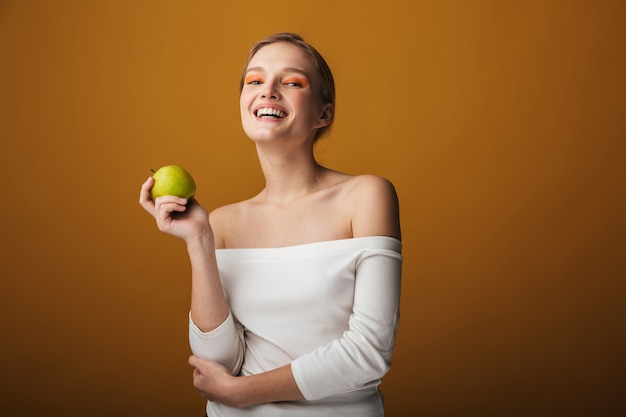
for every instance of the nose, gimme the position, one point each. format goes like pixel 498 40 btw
pixel 269 91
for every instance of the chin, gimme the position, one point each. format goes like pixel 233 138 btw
pixel 261 137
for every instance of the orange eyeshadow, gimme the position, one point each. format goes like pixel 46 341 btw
pixel 303 81
pixel 251 78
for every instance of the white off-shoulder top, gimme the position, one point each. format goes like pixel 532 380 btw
pixel 329 308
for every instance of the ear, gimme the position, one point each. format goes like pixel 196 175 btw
pixel 327 115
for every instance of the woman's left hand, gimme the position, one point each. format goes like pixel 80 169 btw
pixel 213 380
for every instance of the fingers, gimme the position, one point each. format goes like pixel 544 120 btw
pixel 163 206
pixel 145 200
pixel 197 374
pixel 166 209
pixel 145 189
pixel 197 380
pixel 168 204
pixel 194 361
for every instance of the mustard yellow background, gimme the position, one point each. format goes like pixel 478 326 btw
pixel 501 123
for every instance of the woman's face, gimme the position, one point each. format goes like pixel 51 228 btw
pixel 280 96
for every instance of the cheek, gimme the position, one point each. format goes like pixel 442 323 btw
pixel 244 101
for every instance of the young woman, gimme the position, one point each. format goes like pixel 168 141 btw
pixel 295 291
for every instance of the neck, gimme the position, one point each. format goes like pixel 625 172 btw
pixel 288 175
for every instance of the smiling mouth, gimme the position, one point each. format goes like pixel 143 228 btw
pixel 269 113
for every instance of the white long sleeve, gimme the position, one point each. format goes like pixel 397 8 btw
pixel 362 355
pixel 224 344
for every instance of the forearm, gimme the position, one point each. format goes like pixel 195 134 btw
pixel 272 386
pixel 208 301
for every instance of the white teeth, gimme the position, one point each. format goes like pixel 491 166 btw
pixel 270 112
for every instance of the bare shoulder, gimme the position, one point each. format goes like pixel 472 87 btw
pixel 372 184
pixel 375 206
pixel 222 220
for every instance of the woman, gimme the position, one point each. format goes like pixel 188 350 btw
pixel 295 291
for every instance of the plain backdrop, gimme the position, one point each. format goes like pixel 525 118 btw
pixel 501 124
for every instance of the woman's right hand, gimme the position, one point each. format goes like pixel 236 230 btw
pixel 179 217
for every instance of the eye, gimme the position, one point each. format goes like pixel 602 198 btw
pixel 293 84
pixel 253 80
pixel 296 82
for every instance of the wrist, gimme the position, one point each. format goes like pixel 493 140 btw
pixel 270 386
pixel 200 241
pixel 235 392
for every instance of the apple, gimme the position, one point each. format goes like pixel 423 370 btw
pixel 172 180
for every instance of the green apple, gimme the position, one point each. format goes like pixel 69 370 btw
pixel 172 180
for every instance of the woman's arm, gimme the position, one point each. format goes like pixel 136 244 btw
pixel 216 383
pixel 362 356
pixel 187 220
pixel 212 331
pixel 209 308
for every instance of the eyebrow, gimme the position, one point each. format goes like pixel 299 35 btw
pixel 287 69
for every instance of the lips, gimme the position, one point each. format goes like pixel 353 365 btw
pixel 270 113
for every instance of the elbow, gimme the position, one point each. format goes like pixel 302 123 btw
pixel 371 362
